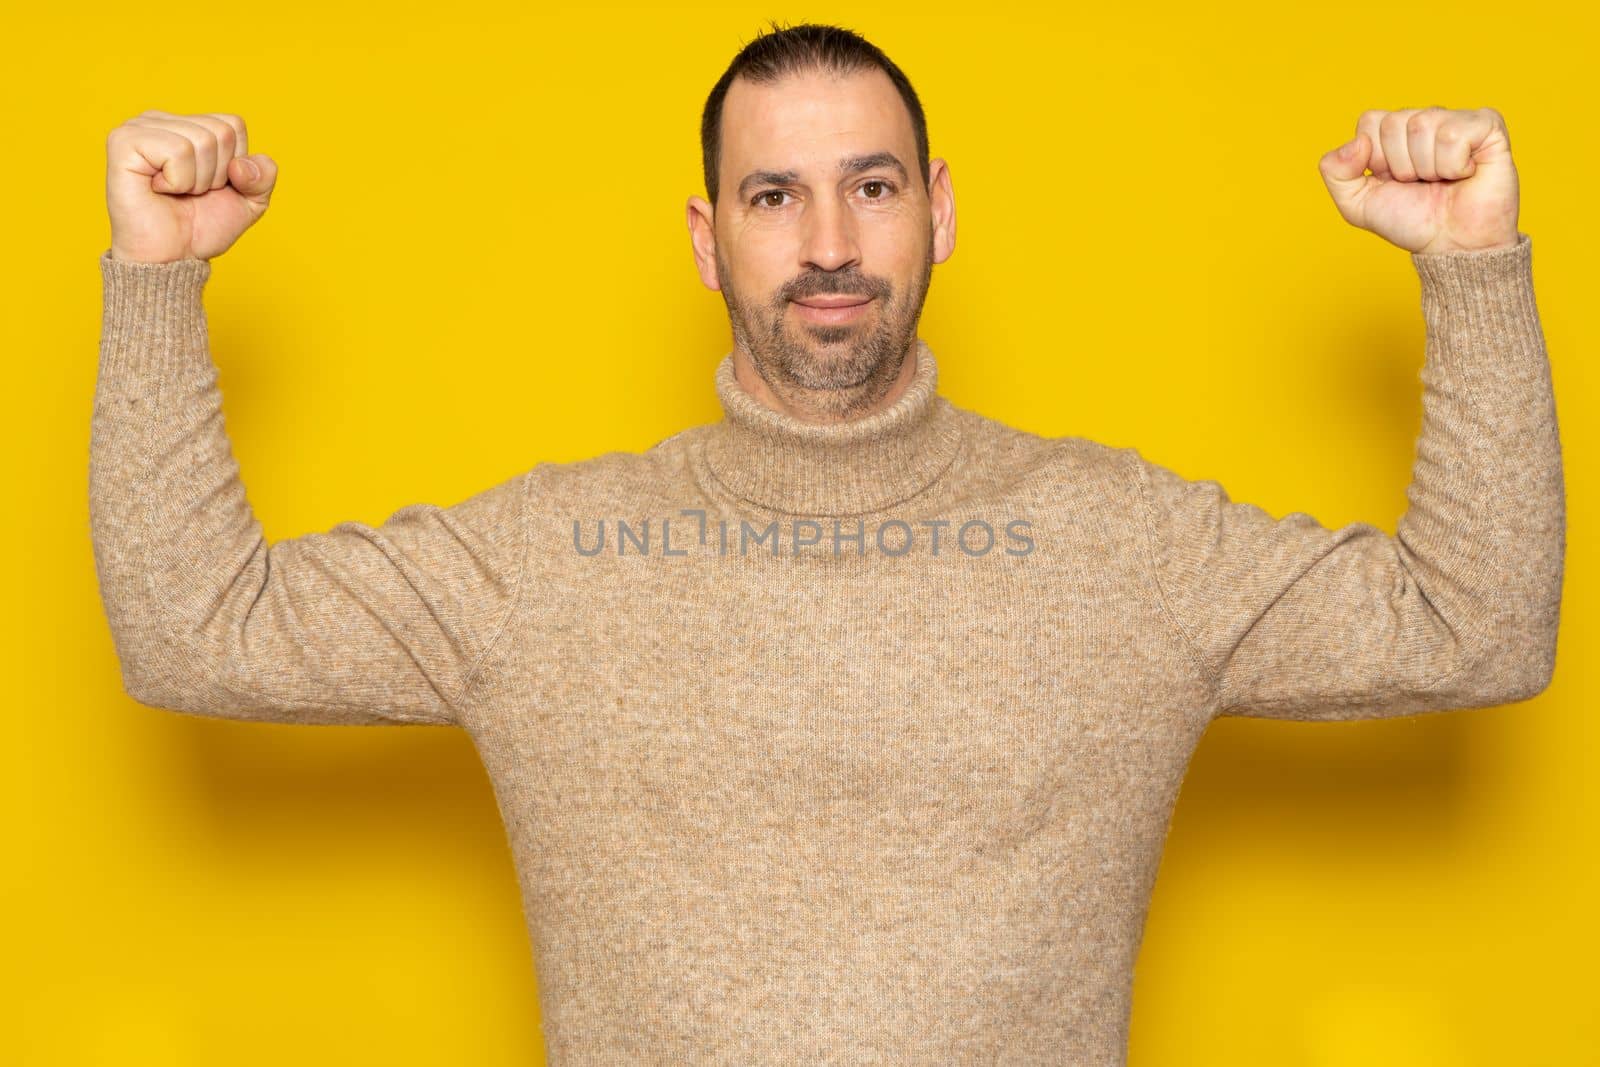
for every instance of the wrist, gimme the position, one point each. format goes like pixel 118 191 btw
pixel 127 257
pixel 1448 248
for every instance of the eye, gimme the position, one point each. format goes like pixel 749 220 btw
pixel 878 184
pixel 761 199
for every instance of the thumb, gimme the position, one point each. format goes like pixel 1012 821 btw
pixel 1342 171
pixel 253 176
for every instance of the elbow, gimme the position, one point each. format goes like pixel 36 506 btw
pixel 162 683
pixel 1539 670
pixel 148 687
pixel 1513 657
pixel 1514 675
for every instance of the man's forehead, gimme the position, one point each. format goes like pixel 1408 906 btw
pixel 772 125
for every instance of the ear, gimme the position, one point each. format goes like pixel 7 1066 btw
pixel 701 217
pixel 942 205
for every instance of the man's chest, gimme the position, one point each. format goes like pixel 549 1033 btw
pixel 846 690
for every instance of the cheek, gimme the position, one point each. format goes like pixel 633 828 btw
pixel 761 264
pixel 895 249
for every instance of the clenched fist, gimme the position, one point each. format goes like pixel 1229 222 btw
pixel 182 186
pixel 1442 180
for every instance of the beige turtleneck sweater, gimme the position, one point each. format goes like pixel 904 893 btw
pixel 854 742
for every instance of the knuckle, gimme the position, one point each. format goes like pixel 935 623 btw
pixel 1417 123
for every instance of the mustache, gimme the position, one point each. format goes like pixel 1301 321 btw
pixel 830 283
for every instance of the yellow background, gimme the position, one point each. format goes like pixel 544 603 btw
pixel 476 260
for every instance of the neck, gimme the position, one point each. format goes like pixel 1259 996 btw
pixel 827 406
pixel 770 457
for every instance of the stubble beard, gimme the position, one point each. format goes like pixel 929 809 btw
pixel 832 372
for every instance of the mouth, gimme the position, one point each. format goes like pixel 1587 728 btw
pixel 832 309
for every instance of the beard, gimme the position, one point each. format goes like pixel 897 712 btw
pixel 835 370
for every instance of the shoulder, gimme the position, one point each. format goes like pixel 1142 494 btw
pixel 619 477
pixel 1023 457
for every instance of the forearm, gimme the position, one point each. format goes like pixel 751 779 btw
pixel 172 529
pixel 1484 532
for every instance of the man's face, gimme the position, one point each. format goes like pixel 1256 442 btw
pixel 820 203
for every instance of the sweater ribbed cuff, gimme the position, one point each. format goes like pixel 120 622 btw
pixel 1465 294
pixel 153 318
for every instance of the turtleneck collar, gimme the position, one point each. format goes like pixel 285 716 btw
pixel 784 464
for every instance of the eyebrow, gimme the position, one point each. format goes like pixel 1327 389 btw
pixel 848 165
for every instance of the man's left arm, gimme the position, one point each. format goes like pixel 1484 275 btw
pixel 1460 608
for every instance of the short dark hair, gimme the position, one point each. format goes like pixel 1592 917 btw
pixel 794 50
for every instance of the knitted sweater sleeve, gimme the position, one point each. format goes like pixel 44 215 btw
pixel 355 625
pixel 1286 618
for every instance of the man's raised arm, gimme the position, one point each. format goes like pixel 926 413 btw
pixel 356 625
pixel 1288 619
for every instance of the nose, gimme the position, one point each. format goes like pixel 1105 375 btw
pixel 829 242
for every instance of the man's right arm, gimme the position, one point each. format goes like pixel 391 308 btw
pixel 356 625
pixel 359 624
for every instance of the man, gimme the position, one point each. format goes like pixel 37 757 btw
pixel 849 726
